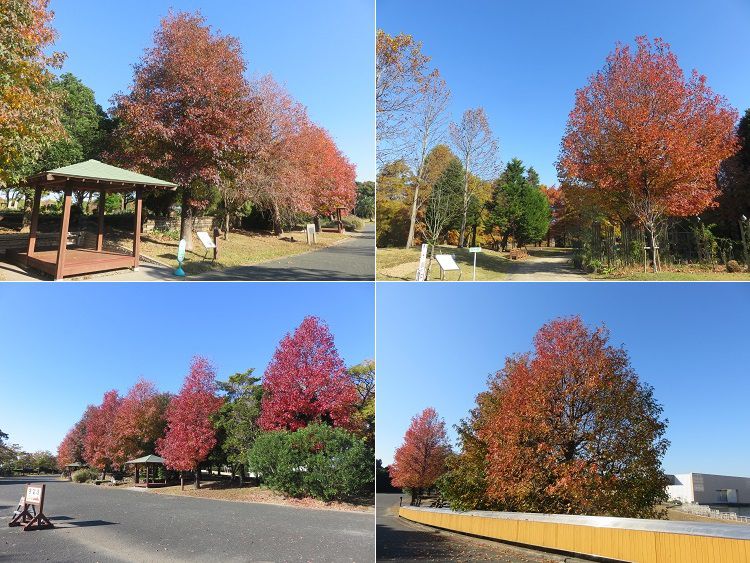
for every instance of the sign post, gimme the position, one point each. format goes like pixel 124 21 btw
pixel 475 250
pixel 422 269
pixel 312 236
pixel 32 500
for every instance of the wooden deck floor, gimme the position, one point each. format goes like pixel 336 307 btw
pixel 77 261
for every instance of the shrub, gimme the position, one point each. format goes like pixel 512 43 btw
pixel 353 223
pixel 318 461
pixel 337 463
pixel 733 267
pixel 275 463
pixel 84 475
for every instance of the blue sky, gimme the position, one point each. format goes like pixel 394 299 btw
pixel 437 343
pixel 523 61
pixel 322 51
pixel 63 347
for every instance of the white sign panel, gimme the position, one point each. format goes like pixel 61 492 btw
pixel 181 250
pixel 206 240
pixel 475 249
pixel 311 234
pixel 447 263
pixel 422 269
pixel 33 495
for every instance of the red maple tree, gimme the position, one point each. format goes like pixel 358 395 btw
pixel 421 459
pixel 275 171
pixel 190 435
pixel 140 421
pixel 71 449
pixel 188 112
pixel 100 441
pixel 328 174
pixel 650 140
pixel 306 381
pixel 571 429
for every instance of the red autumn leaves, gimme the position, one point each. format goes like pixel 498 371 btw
pixel 306 382
pixel 420 460
pixel 193 117
pixel 646 137
pixel 190 434
pixel 566 428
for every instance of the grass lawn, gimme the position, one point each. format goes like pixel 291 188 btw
pixel 395 264
pixel 241 248
pixel 220 490
pixel 678 273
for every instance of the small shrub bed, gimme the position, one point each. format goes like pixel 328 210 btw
pixel 84 475
pixel 353 223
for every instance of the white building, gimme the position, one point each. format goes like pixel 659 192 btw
pixel 704 488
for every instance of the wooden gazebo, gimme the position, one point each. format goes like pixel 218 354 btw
pixel 89 176
pixel 71 467
pixel 151 463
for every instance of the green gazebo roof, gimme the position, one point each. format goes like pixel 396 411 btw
pixel 75 464
pixel 151 458
pixel 93 170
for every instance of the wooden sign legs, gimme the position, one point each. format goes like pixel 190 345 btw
pixel 23 517
pixel 32 501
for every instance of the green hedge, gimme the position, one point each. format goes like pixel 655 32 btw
pixel 317 461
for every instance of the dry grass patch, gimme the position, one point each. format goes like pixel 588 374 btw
pixel 689 272
pixel 400 264
pixel 242 248
pixel 219 490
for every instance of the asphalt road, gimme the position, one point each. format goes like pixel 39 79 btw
pixel 351 260
pixel 103 524
pixel 401 539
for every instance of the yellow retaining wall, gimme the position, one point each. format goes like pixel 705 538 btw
pixel 615 543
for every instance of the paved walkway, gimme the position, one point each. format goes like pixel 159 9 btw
pixel 104 524
pixel 351 260
pixel 545 264
pixel 401 539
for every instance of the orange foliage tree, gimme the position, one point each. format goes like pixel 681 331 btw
pixel 186 116
pixel 140 421
pixel 567 429
pixel 190 435
pixel 645 137
pixel 420 460
pixel 100 441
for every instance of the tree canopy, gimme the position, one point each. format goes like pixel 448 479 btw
pixel 567 428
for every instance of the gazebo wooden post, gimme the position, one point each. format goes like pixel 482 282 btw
pixel 137 228
pixel 136 473
pixel 63 233
pixel 100 233
pixel 34 221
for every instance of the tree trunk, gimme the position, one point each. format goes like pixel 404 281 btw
pixel 654 251
pixel 504 242
pixel 182 480
pixel 474 235
pixel 28 199
pixel 198 476
pixel 186 223
pixel 226 225
pixel 316 220
pixel 277 229
pixel 413 218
